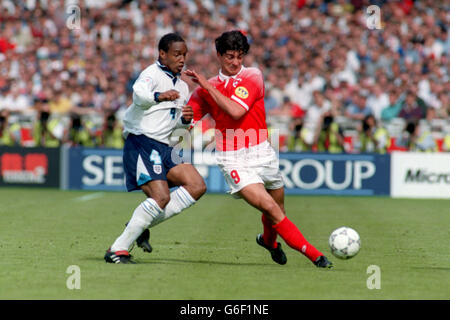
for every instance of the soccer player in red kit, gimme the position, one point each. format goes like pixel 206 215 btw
pixel 235 100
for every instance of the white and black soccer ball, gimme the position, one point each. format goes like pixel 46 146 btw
pixel 344 243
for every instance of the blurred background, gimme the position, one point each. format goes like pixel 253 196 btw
pixel 332 83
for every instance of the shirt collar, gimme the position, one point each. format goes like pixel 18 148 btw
pixel 223 77
pixel 167 71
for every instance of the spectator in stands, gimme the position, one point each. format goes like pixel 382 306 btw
pixel 45 128
pixel 372 137
pixel 412 109
pixel 10 134
pixel 292 116
pixel 288 109
pixel 358 109
pixel 296 141
pixel 393 109
pixel 300 46
pixel 313 119
pixel 81 133
pixel 6 138
pixel 43 131
pixel 444 111
pixel 112 133
pixel 270 103
pixel 59 103
pixel 15 101
pixel 417 138
pixel 378 101
pixel 446 143
pixel 331 136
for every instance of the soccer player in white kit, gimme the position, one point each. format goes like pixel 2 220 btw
pixel 158 108
pixel 235 100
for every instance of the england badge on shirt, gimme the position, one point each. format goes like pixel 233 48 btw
pixel 157 168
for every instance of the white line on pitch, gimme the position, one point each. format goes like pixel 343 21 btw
pixel 90 196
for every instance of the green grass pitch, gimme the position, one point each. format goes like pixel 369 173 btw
pixel 209 251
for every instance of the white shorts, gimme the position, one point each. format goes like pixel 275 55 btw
pixel 256 164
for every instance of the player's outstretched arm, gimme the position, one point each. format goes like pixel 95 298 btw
pixel 232 108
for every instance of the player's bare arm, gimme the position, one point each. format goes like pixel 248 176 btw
pixel 233 109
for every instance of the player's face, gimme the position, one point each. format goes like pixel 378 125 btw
pixel 231 62
pixel 175 57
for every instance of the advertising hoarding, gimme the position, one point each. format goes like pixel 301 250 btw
pixel 420 175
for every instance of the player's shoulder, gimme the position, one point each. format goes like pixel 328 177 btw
pixel 253 75
pixel 151 71
pixel 251 72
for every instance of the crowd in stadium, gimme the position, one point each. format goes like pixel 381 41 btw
pixel 332 83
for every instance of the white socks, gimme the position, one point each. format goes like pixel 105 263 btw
pixel 149 214
pixel 143 215
pixel 180 199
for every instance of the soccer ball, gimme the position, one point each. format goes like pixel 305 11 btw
pixel 344 243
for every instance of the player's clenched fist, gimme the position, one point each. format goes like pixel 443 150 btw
pixel 187 113
pixel 170 95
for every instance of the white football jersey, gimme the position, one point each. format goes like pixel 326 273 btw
pixel 156 120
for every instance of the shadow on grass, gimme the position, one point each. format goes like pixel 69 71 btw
pixel 184 261
pixel 431 268
pixel 210 262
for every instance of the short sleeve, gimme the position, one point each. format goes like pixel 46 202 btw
pixel 249 90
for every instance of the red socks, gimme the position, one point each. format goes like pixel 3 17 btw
pixel 294 239
pixel 270 234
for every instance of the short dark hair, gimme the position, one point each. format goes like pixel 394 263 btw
pixel 232 40
pixel 167 40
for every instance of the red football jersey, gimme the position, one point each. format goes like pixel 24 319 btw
pixel 247 89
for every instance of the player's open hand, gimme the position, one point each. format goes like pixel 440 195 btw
pixel 170 95
pixel 187 113
pixel 197 78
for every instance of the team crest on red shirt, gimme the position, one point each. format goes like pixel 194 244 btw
pixel 241 92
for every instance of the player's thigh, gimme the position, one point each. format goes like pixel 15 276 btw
pixel 257 196
pixel 238 176
pixel 142 158
pixel 187 176
pixel 158 190
pixel 263 160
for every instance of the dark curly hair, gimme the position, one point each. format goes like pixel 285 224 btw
pixel 232 40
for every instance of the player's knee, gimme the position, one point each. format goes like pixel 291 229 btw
pixel 272 210
pixel 269 206
pixel 162 199
pixel 200 188
pixel 196 188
